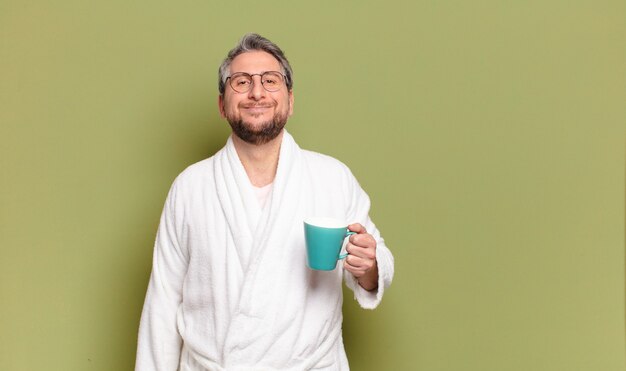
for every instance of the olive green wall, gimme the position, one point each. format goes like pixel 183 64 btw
pixel 489 135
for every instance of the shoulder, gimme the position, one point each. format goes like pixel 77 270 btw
pixel 321 162
pixel 195 175
pixel 331 170
pixel 199 169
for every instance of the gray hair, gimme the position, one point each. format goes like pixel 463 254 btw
pixel 250 42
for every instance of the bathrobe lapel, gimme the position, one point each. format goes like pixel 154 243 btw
pixel 264 240
pixel 237 201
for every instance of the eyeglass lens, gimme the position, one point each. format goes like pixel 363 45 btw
pixel 241 82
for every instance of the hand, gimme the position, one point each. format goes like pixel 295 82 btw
pixel 361 261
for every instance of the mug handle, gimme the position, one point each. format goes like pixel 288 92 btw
pixel 343 256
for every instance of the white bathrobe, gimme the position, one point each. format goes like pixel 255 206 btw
pixel 230 288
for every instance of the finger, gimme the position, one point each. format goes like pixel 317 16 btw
pixel 363 240
pixel 357 227
pixel 356 271
pixel 354 261
pixel 359 263
pixel 361 252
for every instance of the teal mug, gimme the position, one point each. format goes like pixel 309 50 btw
pixel 324 238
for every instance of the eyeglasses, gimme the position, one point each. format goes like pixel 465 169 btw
pixel 241 82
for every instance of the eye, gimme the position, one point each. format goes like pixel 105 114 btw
pixel 272 79
pixel 240 81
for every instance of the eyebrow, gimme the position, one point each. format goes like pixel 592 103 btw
pixel 260 73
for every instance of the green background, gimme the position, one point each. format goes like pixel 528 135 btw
pixel 490 136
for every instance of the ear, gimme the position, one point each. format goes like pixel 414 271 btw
pixel 220 104
pixel 290 103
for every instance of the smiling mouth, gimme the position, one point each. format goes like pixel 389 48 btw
pixel 256 110
pixel 257 106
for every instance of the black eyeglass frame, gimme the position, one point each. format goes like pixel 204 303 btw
pixel 252 80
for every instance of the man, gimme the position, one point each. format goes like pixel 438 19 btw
pixel 230 289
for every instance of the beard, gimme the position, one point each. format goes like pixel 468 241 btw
pixel 264 133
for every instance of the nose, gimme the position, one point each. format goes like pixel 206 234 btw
pixel 257 91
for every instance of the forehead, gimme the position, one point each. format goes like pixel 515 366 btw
pixel 254 62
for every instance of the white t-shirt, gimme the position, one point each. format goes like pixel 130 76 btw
pixel 263 193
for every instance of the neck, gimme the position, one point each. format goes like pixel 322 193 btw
pixel 260 161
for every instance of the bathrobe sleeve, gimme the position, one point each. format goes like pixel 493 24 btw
pixel 159 343
pixel 359 213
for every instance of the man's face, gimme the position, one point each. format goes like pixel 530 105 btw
pixel 258 115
